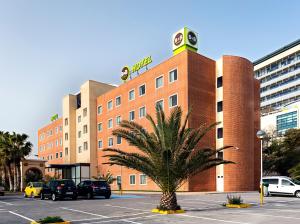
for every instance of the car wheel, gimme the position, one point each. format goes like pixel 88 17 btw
pixel 53 197
pixel 107 196
pixel 89 195
pixel 42 196
pixel 297 194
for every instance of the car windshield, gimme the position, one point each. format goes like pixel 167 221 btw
pixel 37 184
pixel 100 183
pixel 295 181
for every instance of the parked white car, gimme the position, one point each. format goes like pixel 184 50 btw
pixel 281 185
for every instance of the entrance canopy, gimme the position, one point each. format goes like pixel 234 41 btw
pixel 76 171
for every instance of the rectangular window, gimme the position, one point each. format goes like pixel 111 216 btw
pixel 66 136
pixel 220 155
pixel 173 75
pixel 85 129
pixel 286 121
pixel 173 100
pixel 100 144
pixel 85 146
pixel 56 143
pixel 118 120
pixel 119 180
pixel 84 112
pixel 219 81
pixel 142 112
pixel 110 141
pixel 119 140
pixel 60 154
pixel 79 134
pixel 110 123
pixel 66 122
pixel 79 119
pixel 66 151
pixel 118 101
pixel 109 105
pixel 132 179
pixel 56 155
pixel 131 115
pixel 220 133
pixel 60 141
pixel 159 82
pixel 220 106
pixel 131 95
pixel 142 90
pixel 143 179
pixel 160 103
pixel 56 130
pixel 80 149
pixel 100 127
pixel 99 110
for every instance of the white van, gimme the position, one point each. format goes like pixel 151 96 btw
pixel 281 185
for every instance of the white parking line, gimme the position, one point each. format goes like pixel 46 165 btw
pixel 115 206
pixel 124 220
pixel 6 203
pixel 111 217
pixel 206 218
pixel 276 216
pixel 88 213
pixel 22 216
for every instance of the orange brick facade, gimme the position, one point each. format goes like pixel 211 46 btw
pixel 195 88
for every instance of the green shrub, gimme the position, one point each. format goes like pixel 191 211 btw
pixel 51 219
pixel 234 199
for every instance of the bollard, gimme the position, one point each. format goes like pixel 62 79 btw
pixel 261 194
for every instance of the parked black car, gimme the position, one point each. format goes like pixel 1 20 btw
pixel 91 188
pixel 59 189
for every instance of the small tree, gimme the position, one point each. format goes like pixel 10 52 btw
pixel 108 177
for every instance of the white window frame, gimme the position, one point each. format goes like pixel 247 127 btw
pixel 112 141
pixel 172 71
pixel 163 103
pixel 98 127
pixel 100 140
pixel 112 123
pixel 129 115
pixel 144 84
pixel 134 179
pixel 133 95
pixel 117 119
pixel 100 106
pixel 140 111
pixel 87 146
pixel 80 149
pixel 117 141
pixel 161 76
pixel 112 105
pixel 116 101
pixel 85 109
pixel 145 179
pixel 169 100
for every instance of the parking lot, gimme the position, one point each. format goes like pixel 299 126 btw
pixel 200 208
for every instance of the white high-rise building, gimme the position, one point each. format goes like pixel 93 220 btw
pixel 279 76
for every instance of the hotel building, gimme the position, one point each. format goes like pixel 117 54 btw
pixel 224 90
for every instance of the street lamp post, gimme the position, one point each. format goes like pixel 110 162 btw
pixel 261 134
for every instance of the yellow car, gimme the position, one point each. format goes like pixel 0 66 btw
pixel 33 189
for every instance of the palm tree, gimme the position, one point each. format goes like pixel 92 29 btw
pixel 169 155
pixel 6 156
pixel 108 177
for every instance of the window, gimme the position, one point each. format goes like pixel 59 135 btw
pixel 100 144
pixel 220 155
pixel 60 128
pixel 56 130
pixel 160 103
pixel 66 136
pixel 143 179
pixel 110 123
pixel 159 82
pixel 142 90
pixel 80 149
pixel 118 120
pixel 100 127
pixel 109 105
pixel 66 122
pixel 66 151
pixel 173 100
pixel 60 154
pixel 173 75
pixel 110 141
pixel 131 115
pixel 132 179
pixel 85 129
pixel 56 143
pixel 85 146
pixel 219 81
pixel 84 112
pixel 118 101
pixel 142 112
pixel 79 118
pixel 99 110
pixel 220 133
pixel 286 121
pixel 119 180
pixel 56 155
pixel 220 106
pixel 60 141
pixel 131 95
pixel 79 134
pixel 119 140
pixel 286 183
pixel 271 181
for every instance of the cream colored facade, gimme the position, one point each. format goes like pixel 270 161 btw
pixel 80 124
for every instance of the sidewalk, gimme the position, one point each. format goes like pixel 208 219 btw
pixel 183 193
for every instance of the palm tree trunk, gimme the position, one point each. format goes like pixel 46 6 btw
pixel 3 175
pixel 19 177
pixel 15 177
pixel 9 175
pixel 168 201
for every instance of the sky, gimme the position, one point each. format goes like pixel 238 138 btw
pixel 49 48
